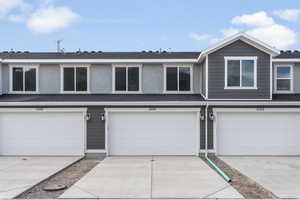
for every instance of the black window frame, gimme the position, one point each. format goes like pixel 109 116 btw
pixel 25 80
pixel 75 79
pixel 127 86
pixel 178 79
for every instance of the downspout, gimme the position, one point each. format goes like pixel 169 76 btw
pixel 223 174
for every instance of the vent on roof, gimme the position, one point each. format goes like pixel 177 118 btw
pixel 289 51
pixel 143 51
pixel 150 51
pixel 99 51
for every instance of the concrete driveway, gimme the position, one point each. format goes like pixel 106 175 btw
pixel 151 177
pixel 280 175
pixel 18 174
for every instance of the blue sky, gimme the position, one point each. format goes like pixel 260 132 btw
pixel 134 25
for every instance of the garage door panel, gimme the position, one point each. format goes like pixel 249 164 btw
pixel 152 133
pixel 48 133
pixel 265 133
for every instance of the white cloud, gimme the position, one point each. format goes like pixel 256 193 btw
pixel 7 6
pixel 261 26
pixel 16 18
pixel 196 36
pixel 288 14
pixel 230 31
pixel 255 19
pixel 275 35
pixel 50 19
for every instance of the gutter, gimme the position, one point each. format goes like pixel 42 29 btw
pixel 223 174
pixel 107 103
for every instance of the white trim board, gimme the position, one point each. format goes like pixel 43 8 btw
pixel 245 38
pixel 75 66
pixel 291 66
pixel 240 58
pixel 24 67
pixel 104 103
pixel 114 66
pixel 165 66
pixel 72 61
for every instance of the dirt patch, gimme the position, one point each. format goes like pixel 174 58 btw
pixel 67 177
pixel 243 184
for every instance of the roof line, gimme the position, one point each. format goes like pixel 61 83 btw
pixel 98 60
pixel 244 37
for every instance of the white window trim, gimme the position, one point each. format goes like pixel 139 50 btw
pixel 178 91
pixel 62 67
pixel 126 91
pixel 291 79
pixel 36 67
pixel 241 58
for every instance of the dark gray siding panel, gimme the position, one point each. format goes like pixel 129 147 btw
pixel 95 129
pixel 216 73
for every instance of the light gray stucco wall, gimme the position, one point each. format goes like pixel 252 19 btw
pixel 297 78
pixel 101 78
pixel 0 78
pixel 49 78
pixel 5 79
pixel 152 78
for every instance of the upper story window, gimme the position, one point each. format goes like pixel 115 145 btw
pixel 240 72
pixel 178 78
pixel 284 78
pixel 23 79
pixel 75 79
pixel 127 78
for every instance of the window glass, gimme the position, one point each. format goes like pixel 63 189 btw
pixel 120 78
pixel 30 79
pixel 283 84
pixel 247 73
pixel 69 79
pixel 172 81
pixel 184 79
pixel 133 79
pixel 283 72
pixel 17 73
pixel 233 73
pixel 81 79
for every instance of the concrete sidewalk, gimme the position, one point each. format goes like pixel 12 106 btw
pixel 18 174
pixel 151 177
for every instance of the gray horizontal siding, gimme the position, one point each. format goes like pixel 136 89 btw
pixel 95 129
pixel 216 73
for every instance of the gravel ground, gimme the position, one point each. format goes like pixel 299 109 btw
pixel 68 177
pixel 243 184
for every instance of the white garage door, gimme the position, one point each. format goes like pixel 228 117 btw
pixel 258 133
pixel 153 133
pixel 42 133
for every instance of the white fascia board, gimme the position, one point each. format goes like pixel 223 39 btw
pixel 244 37
pixel 100 60
pixel 285 60
pixel 254 103
pixel 108 103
